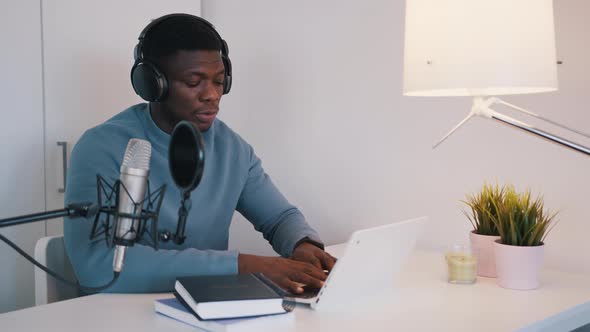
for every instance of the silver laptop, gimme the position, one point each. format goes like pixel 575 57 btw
pixel 370 262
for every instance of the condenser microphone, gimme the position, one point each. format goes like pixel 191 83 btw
pixel 132 188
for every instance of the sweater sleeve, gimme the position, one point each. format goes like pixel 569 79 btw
pixel 281 223
pixel 145 269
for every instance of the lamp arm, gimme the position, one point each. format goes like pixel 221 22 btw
pixel 482 107
pixel 496 100
pixel 469 116
pixel 543 134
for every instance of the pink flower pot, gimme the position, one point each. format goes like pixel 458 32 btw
pixel 483 248
pixel 518 267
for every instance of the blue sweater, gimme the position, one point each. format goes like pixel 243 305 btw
pixel 233 179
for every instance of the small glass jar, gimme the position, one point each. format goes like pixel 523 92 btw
pixel 462 264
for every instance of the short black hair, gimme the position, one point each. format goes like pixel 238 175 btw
pixel 178 33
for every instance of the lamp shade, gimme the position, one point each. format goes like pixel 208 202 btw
pixel 479 47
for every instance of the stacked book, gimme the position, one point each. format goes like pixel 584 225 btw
pixel 228 303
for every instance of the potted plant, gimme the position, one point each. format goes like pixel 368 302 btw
pixel 523 225
pixel 482 210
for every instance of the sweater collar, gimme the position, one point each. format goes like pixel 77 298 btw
pixel 161 137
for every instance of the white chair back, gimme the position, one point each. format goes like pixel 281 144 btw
pixel 50 251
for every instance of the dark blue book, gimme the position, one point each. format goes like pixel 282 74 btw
pixel 230 296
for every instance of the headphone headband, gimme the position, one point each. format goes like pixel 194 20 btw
pixel 149 82
pixel 139 48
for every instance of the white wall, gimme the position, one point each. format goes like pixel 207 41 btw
pixel 317 92
pixel 86 66
pixel 21 146
pixel 85 51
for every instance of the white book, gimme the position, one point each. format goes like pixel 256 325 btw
pixel 173 309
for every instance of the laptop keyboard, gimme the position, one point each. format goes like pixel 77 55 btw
pixel 308 293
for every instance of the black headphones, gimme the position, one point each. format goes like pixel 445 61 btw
pixel 149 82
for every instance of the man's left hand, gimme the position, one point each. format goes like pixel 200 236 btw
pixel 307 252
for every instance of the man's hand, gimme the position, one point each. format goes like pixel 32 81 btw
pixel 287 273
pixel 307 252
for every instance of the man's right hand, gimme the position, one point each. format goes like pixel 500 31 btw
pixel 287 273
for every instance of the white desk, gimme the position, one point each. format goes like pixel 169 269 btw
pixel 423 302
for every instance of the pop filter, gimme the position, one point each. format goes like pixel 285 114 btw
pixel 186 156
pixel 186 159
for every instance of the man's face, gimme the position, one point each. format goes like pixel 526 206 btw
pixel 195 87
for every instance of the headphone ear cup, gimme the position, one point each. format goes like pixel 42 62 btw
pixel 228 76
pixel 149 82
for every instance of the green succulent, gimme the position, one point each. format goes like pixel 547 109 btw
pixel 518 219
pixel 521 220
pixel 483 209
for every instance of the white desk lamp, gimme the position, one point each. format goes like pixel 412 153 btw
pixel 483 48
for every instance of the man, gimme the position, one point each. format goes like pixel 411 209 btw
pixel 191 57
